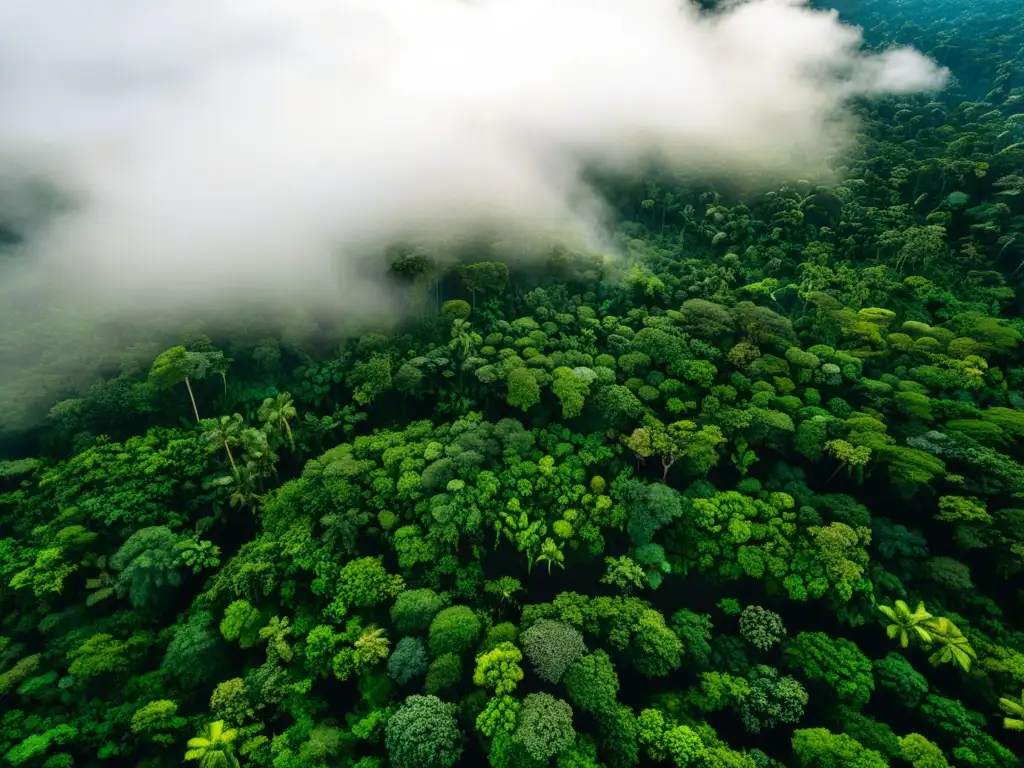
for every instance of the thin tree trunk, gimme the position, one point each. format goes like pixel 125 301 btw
pixel 843 464
pixel 1008 243
pixel 192 397
pixel 234 468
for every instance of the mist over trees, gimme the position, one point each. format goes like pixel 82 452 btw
pixel 733 483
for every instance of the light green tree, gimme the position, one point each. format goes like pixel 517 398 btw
pixel 499 669
pixel 683 439
pixel 952 647
pixel 623 573
pixel 372 647
pixel 854 458
pixel 906 623
pixel 498 716
pixel 214 749
pixel 1014 709
pixel 552 554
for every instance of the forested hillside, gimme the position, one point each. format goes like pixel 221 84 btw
pixel 747 493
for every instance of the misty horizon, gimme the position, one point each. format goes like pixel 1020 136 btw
pixel 214 154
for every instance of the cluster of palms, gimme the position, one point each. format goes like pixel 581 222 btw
pixel 257 446
pixel 526 534
pixel 951 646
pixel 177 365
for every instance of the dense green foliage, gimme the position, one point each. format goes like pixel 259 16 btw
pixel 750 496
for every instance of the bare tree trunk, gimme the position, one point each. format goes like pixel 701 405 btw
pixel 234 467
pixel 192 397
pixel 843 464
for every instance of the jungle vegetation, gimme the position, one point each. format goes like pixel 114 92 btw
pixel 752 498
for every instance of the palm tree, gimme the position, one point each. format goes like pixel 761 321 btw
pixel 103 584
pixel 225 431
pixel 275 412
pixel 177 365
pixel 463 338
pixel 505 587
pixel 522 532
pixel 219 365
pixel 953 646
pixel 1014 708
pixel 244 486
pixel 213 749
pixel 259 454
pixel 906 623
pixel 550 552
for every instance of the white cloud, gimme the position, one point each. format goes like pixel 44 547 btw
pixel 249 148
